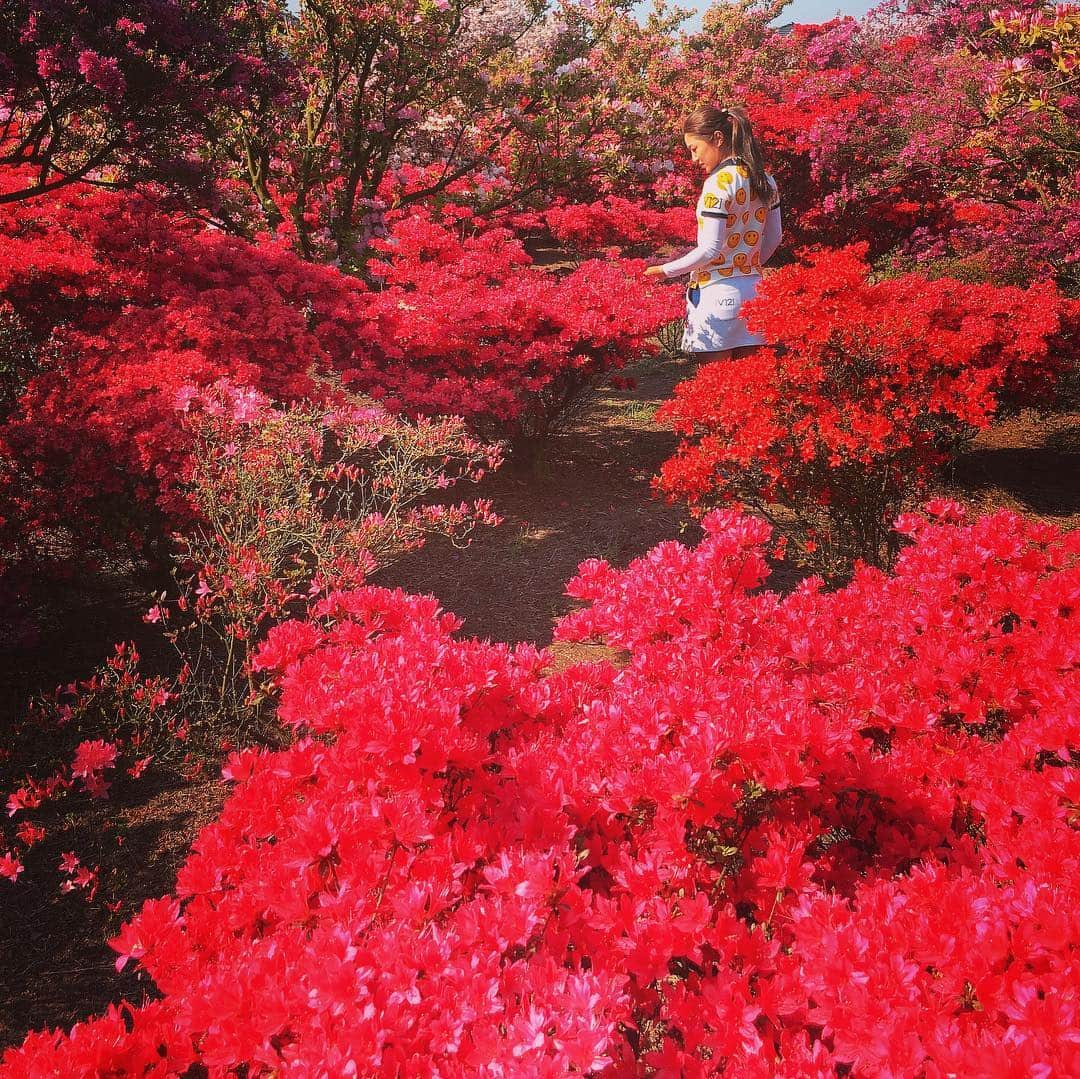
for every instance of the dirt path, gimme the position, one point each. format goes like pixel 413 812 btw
pixel 1029 463
pixel 588 496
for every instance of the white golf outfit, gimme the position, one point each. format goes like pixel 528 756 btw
pixel 736 235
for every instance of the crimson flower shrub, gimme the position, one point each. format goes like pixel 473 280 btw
pixel 783 836
pixel 868 388
pixel 469 326
pixel 127 304
pixel 130 305
pixel 286 506
pixel 617 221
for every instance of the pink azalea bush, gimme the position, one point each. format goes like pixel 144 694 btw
pixel 820 834
pixel 123 94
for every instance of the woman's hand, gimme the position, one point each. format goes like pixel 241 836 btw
pixel 654 271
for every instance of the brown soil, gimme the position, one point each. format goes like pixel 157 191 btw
pixel 589 496
pixel 1029 464
pixel 57 966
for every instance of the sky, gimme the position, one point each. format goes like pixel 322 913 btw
pixel 823 10
pixel 797 11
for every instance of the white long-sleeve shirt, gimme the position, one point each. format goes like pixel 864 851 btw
pixel 736 233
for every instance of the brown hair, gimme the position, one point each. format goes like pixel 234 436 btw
pixel 733 127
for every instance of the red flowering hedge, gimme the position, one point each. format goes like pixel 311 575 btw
pixel 133 304
pixel 869 389
pixel 786 836
pixel 467 325
pixel 610 222
pixel 130 304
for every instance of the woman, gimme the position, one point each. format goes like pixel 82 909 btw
pixel 738 215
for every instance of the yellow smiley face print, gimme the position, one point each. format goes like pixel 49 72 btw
pixel 751 237
pixel 740 196
pixel 734 240
pixel 759 213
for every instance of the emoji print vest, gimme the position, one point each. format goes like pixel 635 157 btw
pixel 726 194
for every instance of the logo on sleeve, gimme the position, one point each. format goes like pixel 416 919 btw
pixel 711 202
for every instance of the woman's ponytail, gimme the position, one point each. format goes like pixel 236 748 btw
pixel 733 125
pixel 744 145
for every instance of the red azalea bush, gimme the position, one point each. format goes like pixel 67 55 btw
pixel 785 836
pixel 858 154
pixel 868 389
pixel 467 325
pixel 288 505
pixel 617 221
pixel 129 304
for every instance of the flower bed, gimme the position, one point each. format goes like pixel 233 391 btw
pixel 784 836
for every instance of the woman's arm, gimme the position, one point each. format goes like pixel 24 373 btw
pixel 710 241
pixel 772 234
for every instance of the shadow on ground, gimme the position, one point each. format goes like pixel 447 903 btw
pixel 1030 463
pixel 57 966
